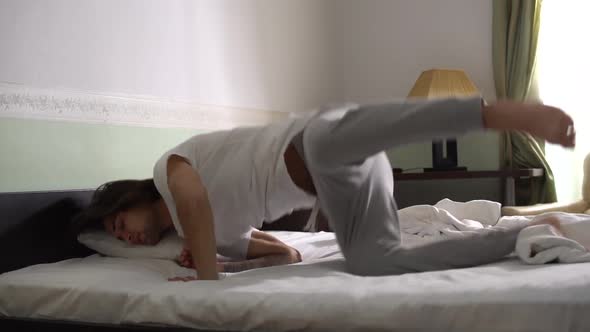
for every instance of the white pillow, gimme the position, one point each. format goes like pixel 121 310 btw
pixel 311 245
pixel 104 243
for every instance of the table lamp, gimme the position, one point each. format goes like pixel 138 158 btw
pixel 441 83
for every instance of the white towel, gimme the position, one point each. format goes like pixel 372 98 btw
pixel 542 244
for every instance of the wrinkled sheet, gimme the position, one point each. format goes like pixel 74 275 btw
pixel 313 295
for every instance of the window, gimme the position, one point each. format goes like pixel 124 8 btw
pixel 564 81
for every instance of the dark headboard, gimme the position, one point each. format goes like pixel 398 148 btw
pixel 34 227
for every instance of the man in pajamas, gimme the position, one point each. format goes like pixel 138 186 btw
pixel 215 189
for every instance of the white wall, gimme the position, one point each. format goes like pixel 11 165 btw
pixel 285 55
pixel 387 44
pixel 268 54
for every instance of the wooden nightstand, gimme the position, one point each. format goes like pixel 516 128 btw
pixel 507 176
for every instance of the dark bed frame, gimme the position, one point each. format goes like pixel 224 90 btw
pixel 34 229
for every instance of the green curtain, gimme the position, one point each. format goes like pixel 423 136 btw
pixel 515 34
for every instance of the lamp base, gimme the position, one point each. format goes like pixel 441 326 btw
pixel 446 169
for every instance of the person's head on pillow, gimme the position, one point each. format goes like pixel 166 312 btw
pixel 131 210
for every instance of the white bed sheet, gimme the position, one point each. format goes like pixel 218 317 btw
pixel 315 294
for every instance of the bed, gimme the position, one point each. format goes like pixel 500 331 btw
pixel 74 287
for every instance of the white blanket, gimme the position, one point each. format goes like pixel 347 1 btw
pixel 317 295
pixel 448 218
pixel 535 245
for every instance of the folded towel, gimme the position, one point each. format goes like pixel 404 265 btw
pixel 542 244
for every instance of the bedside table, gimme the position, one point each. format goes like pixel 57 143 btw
pixel 507 176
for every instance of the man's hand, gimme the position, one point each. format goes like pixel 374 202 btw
pixel 185 259
pixel 263 244
pixel 289 256
pixel 294 256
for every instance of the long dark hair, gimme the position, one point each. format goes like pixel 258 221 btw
pixel 113 197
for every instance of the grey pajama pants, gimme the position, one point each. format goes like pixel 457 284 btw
pixel 343 151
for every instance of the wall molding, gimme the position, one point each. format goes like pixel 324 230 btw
pixel 24 102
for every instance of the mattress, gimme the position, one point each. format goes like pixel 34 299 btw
pixel 316 294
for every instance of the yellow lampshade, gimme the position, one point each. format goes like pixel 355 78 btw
pixel 439 83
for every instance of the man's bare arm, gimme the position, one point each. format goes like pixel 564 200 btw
pixel 266 261
pixel 256 234
pixel 195 216
pixel 264 250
